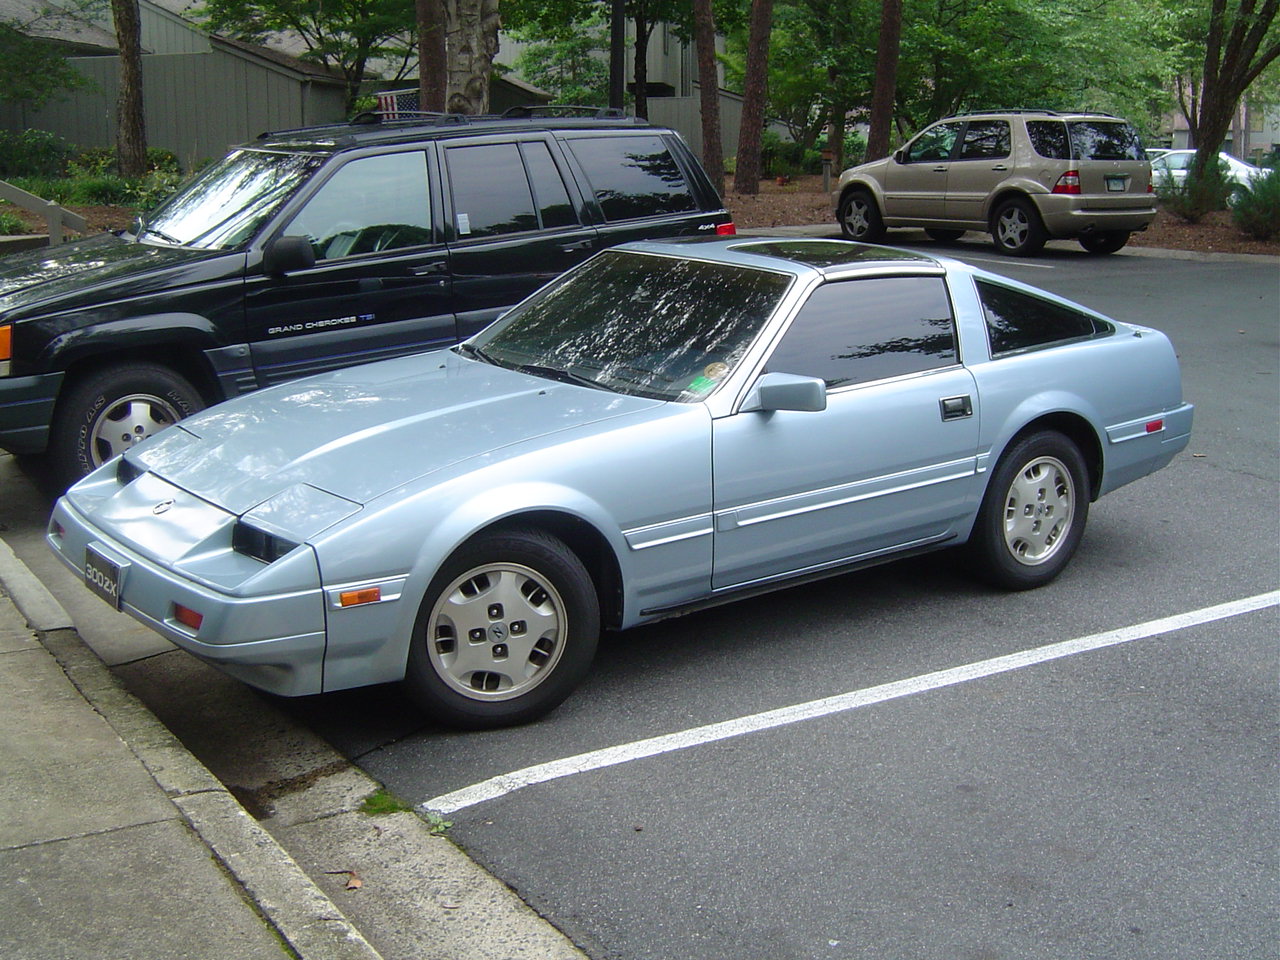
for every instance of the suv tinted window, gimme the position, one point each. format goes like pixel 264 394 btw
pixel 1018 321
pixel 491 194
pixel 1105 140
pixel 884 327
pixel 985 139
pixel 554 207
pixel 934 144
pixel 1049 138
pixel 369 205
pixel 633 177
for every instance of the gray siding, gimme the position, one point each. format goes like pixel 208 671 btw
pixel 196 104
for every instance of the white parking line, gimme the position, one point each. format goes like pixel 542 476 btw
pixel 611 756
pixel 1007 262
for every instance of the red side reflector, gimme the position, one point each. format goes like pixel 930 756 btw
pixel 187 617
pixel 1155 426
pixel 353 598
pixel 726 229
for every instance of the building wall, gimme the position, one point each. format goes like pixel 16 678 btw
pixel 196 104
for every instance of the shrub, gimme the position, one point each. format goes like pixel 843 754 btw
pixel 46 188
pixel 154 188
pixel 1256 210
pixel 1196 195
pixel 33 153
pixel 11 224
pixel 99 190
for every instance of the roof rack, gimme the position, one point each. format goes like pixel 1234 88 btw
pixel 564 110
pixel 391 118
pixel 1047 113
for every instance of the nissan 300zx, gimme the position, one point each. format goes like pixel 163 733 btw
pixel 668 426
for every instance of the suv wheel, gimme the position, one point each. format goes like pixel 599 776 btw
pixel 109 411
pixel 1017 228
pixel 860 217
pixel 1107 241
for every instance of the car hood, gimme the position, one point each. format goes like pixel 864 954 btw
pixel 73 270
pixel 361 432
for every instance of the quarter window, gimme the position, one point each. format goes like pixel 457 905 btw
pixel 1017 321
pixel 857 331
pixel 369 205
pixel 633 177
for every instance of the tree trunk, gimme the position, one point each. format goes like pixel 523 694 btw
pixel 886 82
pixel 471 43
pixel 643 29
pixel 755 88
pixel 131 130
pixel 704 30
pixel 432 75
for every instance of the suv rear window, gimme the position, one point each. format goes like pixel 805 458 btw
pixel 1089 140
pixel 633 177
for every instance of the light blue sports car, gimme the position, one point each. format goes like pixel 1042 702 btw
pixel 669 425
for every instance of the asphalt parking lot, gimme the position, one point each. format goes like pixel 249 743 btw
pixel 904 763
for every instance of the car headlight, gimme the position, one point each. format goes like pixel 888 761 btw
pixel 259 544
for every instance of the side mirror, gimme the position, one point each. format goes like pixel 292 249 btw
pixel 900 155
pixel 287 254
pixel 786 391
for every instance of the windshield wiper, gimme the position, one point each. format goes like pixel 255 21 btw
pixel 562 375
pixel 162 235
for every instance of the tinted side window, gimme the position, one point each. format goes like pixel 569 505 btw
pixel 856 331
pixel 633 176
pixel 369 205
pixel 934 144
pixel 1018 321
pixel 1105 140
pixel 491 194
pixel 985 139
pixel 1049 137
pixel 554 207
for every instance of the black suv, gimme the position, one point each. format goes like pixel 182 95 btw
pixel 307 250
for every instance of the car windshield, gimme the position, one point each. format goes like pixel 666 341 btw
pixel 640 324
pixel 226 204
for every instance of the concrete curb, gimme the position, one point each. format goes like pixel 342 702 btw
pixel 304 917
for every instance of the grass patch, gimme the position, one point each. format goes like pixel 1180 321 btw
pixel 382 803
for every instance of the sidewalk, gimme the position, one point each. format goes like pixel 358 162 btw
pixel 114 841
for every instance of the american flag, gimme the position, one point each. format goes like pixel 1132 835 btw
pixel 391 102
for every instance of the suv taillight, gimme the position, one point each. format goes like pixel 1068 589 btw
pixel 726 229
pixel 1069 182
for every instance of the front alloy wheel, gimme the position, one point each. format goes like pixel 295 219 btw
pixel 506 631
pixel 860 218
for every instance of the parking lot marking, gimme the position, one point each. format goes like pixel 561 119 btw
pixel 1006 262
pixel 612 756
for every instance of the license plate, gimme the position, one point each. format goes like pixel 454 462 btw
pixel 1117 184
pixel 102 576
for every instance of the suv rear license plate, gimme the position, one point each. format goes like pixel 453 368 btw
pixel 102 576
pixel 1117 184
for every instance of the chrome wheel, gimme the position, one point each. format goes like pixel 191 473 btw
pixel 128 421
pixel 1038 511
pixel 1013 227
pixel 1017 229
pixel 860 218
pixel 496 632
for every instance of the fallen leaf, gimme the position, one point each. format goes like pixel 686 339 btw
pixel 353 879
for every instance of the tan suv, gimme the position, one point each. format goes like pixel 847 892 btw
pixel 1022 176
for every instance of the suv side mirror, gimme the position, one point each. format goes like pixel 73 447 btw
pixel 287 254
pixel 786 391
pixel 900 155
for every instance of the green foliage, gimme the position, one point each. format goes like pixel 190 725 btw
pixel 1197 195
pixel 33 153
pixel 568 66
pixel 12 225
pixel 157 186
pixel 34 70
pixel 1256 209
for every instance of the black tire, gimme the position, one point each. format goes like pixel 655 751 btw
pixel 1041 483
pixel 1107 241
pixel 110 410
pixel 1016 228
pixel 510 670
pixel 943 236
pixel 860 217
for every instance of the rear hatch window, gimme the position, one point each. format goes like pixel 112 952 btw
pixel 1085 140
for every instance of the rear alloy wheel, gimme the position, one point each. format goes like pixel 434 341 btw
pixel 860 217
pixel 507 629
pixel 1107 241
pixel 110 411
pixel 1033 514
pixel 1017 229
pixel 943 236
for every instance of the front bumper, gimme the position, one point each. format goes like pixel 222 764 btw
pixel 273 642
pixel 26 410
